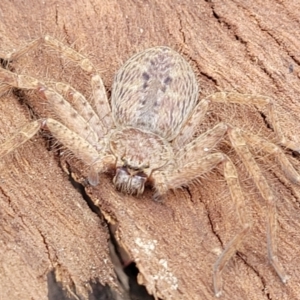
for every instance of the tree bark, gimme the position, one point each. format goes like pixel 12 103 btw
pixel 46 225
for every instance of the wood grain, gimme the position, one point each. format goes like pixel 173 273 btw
pixel 46 225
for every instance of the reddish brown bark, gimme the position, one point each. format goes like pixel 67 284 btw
pixel 250 47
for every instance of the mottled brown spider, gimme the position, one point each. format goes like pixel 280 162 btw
pixel 146 135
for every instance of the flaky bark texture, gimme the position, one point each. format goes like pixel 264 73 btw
pixel 47 228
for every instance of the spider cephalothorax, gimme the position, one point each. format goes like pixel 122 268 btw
pixel 137 153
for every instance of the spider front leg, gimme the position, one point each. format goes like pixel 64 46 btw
pixel 192 162
pixel 97 162
pixel 75 131
pixel 79 146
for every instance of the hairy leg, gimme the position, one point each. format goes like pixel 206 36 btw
pixel 273 149
pixel 194 161
pixel 61 108
pixel 97 161
pixel 100 98
pixel 259 101
pixel 79 146
pixel 182 170
pixel 82 106
pixel 21 137
pixel 201 146
pixel 265 190
pixel 172 178
pixel 189 129
pixel 237 196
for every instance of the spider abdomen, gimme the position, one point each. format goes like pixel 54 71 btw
pixel 155 90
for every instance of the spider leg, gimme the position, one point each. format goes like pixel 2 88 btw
pixel 58 105
pixel 202 145
pixel 260 181
pixel 181 171
pixel 74 131
pixel 79 146
pixel 189 167
pixel 187 132
pixel 80 128
pixel 82 106
pixel 98 162
pixel 172 178
pixel 100 98
pixel 271 148
pixel 231 177
pixel 259 101
pixel 19 138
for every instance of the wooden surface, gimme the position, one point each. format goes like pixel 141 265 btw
pixel 47 227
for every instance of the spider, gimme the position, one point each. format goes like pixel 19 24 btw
pixel 147 135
